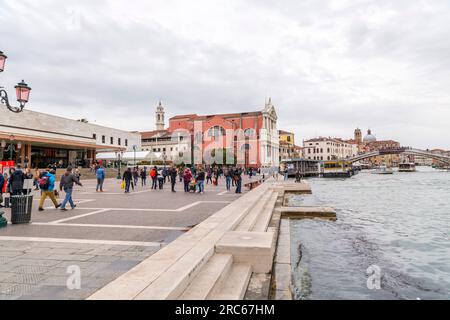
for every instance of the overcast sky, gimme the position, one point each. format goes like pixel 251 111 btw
pixel 329 66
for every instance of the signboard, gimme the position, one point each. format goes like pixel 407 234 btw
pixel 5 165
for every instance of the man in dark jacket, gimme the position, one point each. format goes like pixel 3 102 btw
pixel 68 179
pixel 127 177
pixel 17 178
pixel 173 177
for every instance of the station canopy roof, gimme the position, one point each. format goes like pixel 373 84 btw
pixel 127 156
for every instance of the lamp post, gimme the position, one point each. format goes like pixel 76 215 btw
pixel 134 149
pixel 119 154
pixel 22 91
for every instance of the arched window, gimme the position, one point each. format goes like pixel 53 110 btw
pixel 250 133
pixel 216 131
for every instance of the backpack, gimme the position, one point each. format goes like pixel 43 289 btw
pixel 44 183
pixel 153 173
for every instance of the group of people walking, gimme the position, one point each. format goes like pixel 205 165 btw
pixel 45 181
pixel 193 179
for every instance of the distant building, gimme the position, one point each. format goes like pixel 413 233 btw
pixel 287 145
pixel 370 143
pixel 45 139
pixel 328 149
pixel 250 137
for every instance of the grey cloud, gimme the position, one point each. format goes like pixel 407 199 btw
pixel 332 66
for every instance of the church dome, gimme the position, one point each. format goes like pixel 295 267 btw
pixel 369 137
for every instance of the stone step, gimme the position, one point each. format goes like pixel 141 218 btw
pixel 234 285
pixel 265 216
pixel 254 248
pixel 306 212
pixel 217 268
pixel 167 273
pixel 250 219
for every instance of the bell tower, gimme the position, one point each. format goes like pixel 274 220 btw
pixel 159 115
pixel 358 136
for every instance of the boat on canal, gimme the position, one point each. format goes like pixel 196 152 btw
pixel 407 167
pixel 383 170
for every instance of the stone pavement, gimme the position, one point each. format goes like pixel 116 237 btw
pixel 106 235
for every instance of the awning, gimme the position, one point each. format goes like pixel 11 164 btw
pixel 127 156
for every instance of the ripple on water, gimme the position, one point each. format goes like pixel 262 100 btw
pixel 399 223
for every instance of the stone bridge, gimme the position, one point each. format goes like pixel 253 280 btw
pixel 404 150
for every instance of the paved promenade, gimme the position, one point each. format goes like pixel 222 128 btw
pixel 106 235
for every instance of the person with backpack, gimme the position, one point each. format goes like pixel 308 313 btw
pixel 68 179
pixel 100 174
pixel 154 176
pixel 47 185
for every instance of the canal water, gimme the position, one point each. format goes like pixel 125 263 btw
pixel 391 239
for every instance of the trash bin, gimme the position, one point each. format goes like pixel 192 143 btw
pixel 3 221
pixel 21 209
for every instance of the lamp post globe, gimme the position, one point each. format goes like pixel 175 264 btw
pixel 22 92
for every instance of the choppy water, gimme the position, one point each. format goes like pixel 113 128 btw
pixel 398 223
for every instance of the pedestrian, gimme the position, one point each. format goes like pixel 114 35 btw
pixel 28 176
pixel 127 177
pixel 286 174
pixel 144 176
pixel 201 181
pixel 47 186
pixel 100 174
pixel 136 176
pixel 173 177
pixel 298 177
pixel 161 178
pixel 187 177
pixel 68 179
pixel 37 175
pixel 216 177
pixel 154 176
pixel 164 173
pixel 209 176
pixel 17 178
pixel 227 174
pixel 25 162
pixel 238 179
pixel 2 185
pixel 181 173
pixel 78 174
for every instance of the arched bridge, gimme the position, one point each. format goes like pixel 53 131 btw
pixel 404 150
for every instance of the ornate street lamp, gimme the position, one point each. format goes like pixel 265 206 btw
pixel 119 154
pixel 22 91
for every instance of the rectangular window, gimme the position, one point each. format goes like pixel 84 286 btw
pixel 126 142
pixel 119 141
pixel 94 136
pixel 103 139
pixel 112 140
